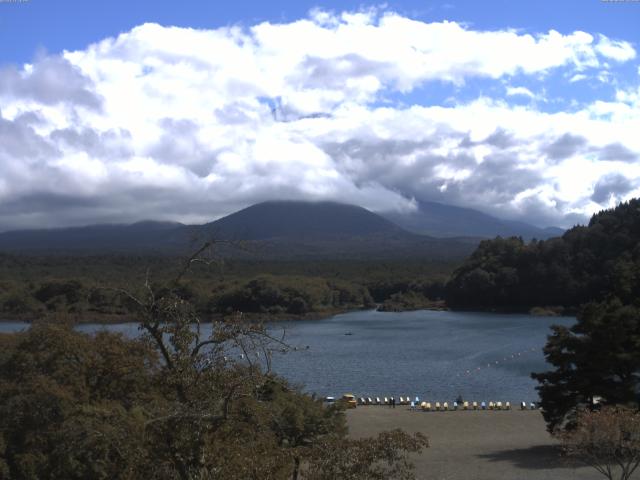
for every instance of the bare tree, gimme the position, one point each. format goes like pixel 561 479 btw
pixel 207 368
pixel 217 379
pixel 607 440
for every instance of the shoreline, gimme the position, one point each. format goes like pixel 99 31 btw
pixel 78 319
pixel 535 311
pixel 111 319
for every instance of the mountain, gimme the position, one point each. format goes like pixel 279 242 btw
pixel 302 220
pixel 439 220
pixel 275 230
pixel 294 229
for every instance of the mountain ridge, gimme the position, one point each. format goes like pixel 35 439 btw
pixel 275 229
pixel 441 220
pixel 265 220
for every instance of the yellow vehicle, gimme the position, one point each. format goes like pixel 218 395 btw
pixel 349 400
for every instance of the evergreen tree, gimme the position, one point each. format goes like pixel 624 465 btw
pixel 598 357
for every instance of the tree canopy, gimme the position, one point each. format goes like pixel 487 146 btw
pixel 607 440
pixel 587 263
pixel 598 358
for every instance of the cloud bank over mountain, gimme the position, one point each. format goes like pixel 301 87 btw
pixel 181 124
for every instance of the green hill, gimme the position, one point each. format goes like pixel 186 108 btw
pixel 587 263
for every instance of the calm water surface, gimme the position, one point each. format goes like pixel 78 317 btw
pixel 435 355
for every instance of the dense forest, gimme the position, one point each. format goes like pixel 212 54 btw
pixel 89 288
pixel 587 263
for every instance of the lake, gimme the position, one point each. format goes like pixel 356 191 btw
pixel 435 355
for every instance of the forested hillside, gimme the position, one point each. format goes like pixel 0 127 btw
pixel 587 263
pixel 87 288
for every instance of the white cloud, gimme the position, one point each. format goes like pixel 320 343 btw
pixel 522 91
pixel 617 50
pixel 185 124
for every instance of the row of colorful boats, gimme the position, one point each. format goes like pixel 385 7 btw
pixel 415 404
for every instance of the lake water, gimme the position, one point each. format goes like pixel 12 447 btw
pixel 435 355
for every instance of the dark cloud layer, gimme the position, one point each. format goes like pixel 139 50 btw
pixel 19 142
pixel 617 152
pixel 52 80
pixel 615 186
pixel 565 146
pixel 112 144
pixel 179 145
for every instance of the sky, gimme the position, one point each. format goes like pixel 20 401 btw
pixel 121 111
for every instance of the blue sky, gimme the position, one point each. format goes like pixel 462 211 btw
pixel 28 26
pixel 119 111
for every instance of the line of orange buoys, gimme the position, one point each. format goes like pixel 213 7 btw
pixel 508 358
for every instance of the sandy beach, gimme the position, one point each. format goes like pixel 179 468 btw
pixel 475 445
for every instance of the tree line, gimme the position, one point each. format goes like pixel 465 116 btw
pixel 80 288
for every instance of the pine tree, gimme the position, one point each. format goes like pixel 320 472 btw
pixel 599 357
